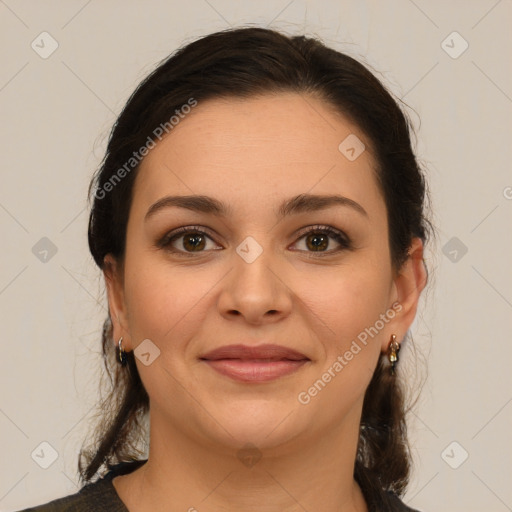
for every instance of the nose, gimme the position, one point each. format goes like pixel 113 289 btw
pixel 256 289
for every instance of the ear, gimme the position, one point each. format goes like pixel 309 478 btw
pixel 114 281
pixel 408 283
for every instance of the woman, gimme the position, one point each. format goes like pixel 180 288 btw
pixel 259 218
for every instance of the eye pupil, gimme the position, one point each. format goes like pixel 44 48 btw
pixel 196 241
pixel 319 241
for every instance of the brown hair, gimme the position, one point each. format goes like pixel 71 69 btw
pixel 241 63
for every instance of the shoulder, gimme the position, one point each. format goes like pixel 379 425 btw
pixel 99 496
pixel 91 497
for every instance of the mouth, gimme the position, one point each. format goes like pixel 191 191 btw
pixel 262 363
pixel 265 353
pixel 255 370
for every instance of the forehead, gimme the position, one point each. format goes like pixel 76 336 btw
pixel 258 150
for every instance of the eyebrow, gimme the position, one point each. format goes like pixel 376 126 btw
pixel 293 206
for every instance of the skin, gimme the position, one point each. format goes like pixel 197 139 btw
pixel 253 154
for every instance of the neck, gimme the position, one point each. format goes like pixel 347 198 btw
pixel 186 474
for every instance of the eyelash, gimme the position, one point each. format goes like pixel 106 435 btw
pixel 339 236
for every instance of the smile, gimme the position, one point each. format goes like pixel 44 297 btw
pixel 255 370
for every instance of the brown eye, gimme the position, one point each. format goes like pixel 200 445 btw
pixel 192 240
pixel 317 239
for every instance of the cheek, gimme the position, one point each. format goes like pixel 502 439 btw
pixel 163 301
pixel 348 309
pixel 346 317
pixel 347 297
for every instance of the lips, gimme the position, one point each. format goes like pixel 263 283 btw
pixel 259 353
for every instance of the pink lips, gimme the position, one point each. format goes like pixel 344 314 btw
pixel 254 364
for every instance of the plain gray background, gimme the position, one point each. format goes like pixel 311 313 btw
pixel 56 114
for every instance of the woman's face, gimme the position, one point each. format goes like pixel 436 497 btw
pixel 255 277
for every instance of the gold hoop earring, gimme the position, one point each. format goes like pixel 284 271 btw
pixel 393 349
pixel 121 354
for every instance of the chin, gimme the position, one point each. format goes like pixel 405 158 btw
pixel 264 424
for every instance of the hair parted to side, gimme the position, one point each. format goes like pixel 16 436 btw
pixel 240 63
